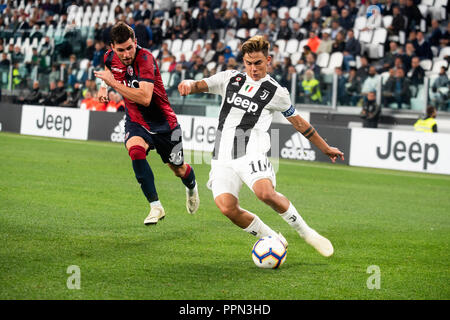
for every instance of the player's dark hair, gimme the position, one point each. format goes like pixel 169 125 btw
pixel 121 32
pixel 256 44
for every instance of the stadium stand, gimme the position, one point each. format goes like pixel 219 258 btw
pixel 38 38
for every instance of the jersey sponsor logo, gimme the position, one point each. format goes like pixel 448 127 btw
pixel 242 103
pixel 298 147
pixel 116 69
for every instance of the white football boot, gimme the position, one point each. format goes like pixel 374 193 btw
pixel 320 243
pixel 156 213
pixel 192 200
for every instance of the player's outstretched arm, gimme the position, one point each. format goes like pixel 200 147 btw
pixel 308 131
pixel 187 87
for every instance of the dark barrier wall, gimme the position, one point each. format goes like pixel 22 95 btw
pixel 10 117
pixel 106 126
pixel 292 145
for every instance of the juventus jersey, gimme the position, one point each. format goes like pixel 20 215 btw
pixel 246 112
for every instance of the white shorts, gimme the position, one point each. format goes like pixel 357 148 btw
pixel 227 177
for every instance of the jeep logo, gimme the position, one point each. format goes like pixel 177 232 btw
pixel 427 153
pixel 242 103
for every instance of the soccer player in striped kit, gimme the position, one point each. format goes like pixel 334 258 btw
pixel 150 121
pixel 249 100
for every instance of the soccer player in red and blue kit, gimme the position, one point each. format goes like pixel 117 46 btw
pixel 150 121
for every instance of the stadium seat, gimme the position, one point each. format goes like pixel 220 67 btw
pixel 197 42
pixel 360 23
pixel 247 4
pixel 211 65
pixel 169 44
pixel 295 57
pixel 250 12
pixel 437 66
pixel 294 12
pixel 282 11
pixel 444 52
pixel 302 44
pixel 387 21
pixel 281 43
pixel 426 64
pixel 253 31
pixel 336 60
pixel 165 76
pixel 241 33
pixel 384 77
pixel 233 44
pixel 376 47
pixel 187 45
pixel 302 3
pixel 292 46
pixel 323 59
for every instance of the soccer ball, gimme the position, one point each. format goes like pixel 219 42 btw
pixel 269 252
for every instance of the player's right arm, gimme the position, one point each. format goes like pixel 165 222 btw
pixel 187 87
pixel 214 84
pixel 103 91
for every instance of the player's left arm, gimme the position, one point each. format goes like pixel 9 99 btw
pixel 308 131
pixel 142 95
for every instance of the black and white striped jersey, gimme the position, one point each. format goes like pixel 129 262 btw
pixel 246 112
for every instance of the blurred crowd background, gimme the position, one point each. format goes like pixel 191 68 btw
pixel 329 53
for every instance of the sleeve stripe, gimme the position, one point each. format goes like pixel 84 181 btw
pixel 147 80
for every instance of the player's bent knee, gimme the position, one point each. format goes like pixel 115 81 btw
pixel 137 152
pixel 267 196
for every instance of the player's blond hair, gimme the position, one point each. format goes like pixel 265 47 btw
pixel 256 44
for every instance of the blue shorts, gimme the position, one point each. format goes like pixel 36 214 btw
pixel 169 145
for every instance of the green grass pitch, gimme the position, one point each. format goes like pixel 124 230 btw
pixel 66 203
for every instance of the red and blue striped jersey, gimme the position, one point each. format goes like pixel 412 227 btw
pixel 158 116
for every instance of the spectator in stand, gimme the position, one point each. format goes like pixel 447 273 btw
pixel 342 97
pixel 310 88
pixel 5 62
pixel 17 56
pixel 74 97
pixel 440 91
pixel 351 50
pixel 221 64
pixel 277 55
pixel 335 29
pixel 339 43
pixel 396 90
pixel 370 83
pixel 388 60
pixel 311 65
pixel 284 32
pixel 244 21
pixel 414 15
pixel 115 102
pixel 99 53
pixel 143 34
pixel 324 8
pixel 363 71
pixel 352 87
pixel 296 31
pixel 313 41
pixel 371 111
pixel 436 34
pixel 88 52
pixel 228 53
pixel 374 21
pixel 326 43
pixel 207 54
pixel 34 97
pixel 398 22
pixel 346 21
pixel 416 74
pixel 422 46
pixel 410 52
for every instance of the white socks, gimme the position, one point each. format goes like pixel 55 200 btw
pixel 293 218
pixel 156 203
pixel 259 228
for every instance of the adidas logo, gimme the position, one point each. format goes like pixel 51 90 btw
pixel 298 147
pixel 119 131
